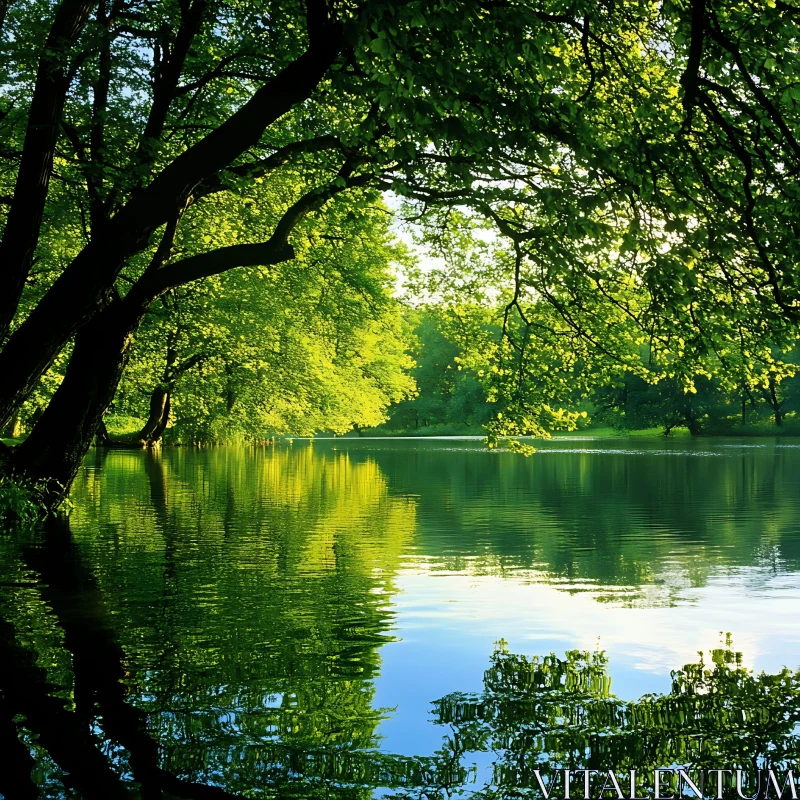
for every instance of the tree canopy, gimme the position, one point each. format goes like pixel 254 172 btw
pixel 634 165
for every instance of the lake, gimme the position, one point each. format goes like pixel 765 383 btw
pixel 358 618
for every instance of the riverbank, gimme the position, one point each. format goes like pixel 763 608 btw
pixel 764 430
pixel 126 433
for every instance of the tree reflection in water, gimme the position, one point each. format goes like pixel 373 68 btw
pixel 213 625
pixel 541 713
pixel 550 714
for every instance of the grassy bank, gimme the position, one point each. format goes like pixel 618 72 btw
pixel 600 432
pixel 126 430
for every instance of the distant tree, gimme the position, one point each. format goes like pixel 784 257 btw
pixel 447 394
pixel 315 344
pixel 635 404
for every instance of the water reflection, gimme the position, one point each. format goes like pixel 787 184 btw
pixel 276 622
pixel 550 714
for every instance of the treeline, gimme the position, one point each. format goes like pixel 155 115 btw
pixel 635 404
pixel 452 398
pixel 449 399
pixel 239 360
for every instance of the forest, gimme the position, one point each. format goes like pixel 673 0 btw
pixel 208 208
pixel 451 399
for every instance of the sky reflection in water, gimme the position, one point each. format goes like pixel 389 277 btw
pixel 280 606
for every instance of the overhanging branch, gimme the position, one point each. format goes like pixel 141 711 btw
pixel 273 251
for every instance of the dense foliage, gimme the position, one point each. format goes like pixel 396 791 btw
pixel 448 398
pixel 457 391
pixel 317 345
pixel 600 180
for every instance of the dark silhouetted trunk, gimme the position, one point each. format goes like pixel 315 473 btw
pixel 85 285
pixel 18 764
pixel 230 399
pixel 24 221
pixel 102 438
pixel 777 405
pixel 157 421
pixel 161 396
pixel 58 443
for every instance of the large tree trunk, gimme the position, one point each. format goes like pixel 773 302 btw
pixel 102 437
pixel 24 221
pixel 83 288
pixel 60 440
pixel 161 396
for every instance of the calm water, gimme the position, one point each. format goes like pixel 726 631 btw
pixel 374 618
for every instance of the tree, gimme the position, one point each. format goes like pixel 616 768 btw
pixel 447 394
pixel 317 343
pixel 636 160
pixel 683 242
pixel 637 404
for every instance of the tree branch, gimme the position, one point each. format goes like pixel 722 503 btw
pixel 257 169
pixel 165 83
pixel 24 221
pixel 80 290
pixel 273 251
pixel 769 107
pixel 691 75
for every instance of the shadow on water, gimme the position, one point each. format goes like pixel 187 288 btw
pixel 99 691
pixel 216 633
